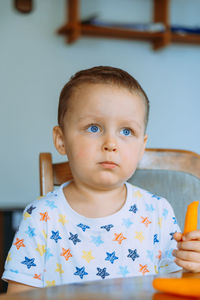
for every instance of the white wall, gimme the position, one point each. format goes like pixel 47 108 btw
pixel 35 63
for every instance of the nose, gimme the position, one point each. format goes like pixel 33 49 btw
pixel 110 146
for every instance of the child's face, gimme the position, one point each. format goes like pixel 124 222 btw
pixel 103 135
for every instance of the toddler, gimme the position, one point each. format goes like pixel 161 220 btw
pixel 98 226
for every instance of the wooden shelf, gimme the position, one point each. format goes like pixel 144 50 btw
pixel 74 29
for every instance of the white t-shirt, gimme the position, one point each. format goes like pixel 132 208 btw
pixel 55 245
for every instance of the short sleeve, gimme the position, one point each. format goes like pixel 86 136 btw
pixel 168 244
pixel 25 260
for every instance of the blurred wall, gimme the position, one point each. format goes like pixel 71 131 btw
pixel 35 63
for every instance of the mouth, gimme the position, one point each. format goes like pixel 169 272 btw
pixel 108 164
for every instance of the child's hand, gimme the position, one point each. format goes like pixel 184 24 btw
pixel 188 254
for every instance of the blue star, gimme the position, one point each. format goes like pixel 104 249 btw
pixel 155 238
pixel 14 271
pixel 133 254
pixel 149 207
pixel 55 236
pixel 175 221
pixel 127 223
pixel 30 209
pixel 83 227
pixel 30 231
pixel 48 254
pixel 102 273
pixel 29 262
pixel 155 196
pixel 80 272
pixel 74 238
pixel 133 208
pixel 111 257
pixel 150 255
pixel 165 212
pixel 172 233
pixel 107 227
pixel 51 204
pixel 123 271
pixel 168 253
pixel 97 240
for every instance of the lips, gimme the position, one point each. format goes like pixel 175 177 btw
pixel 108 164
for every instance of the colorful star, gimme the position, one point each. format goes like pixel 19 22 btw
pixel 59 269
pixel 127 223
pixel 48 254
pixel 50 283
pixel 111 257
pixel 102 273
pixel 26 215
pixel 132 254
pixel 83 227
pixel 143 269
pixel 30 209
pixel 19 243
pixel 55 236
pixel 44 216
pixel 29 262
pixel 150 254
pixel 66 253
pixel 123 270
pixel 107 227
pixel 145 221
pixel 51 204
pixel 172 235
pixel 133 208
pixel 62 219
pixel 174 219
pixel 87 255
pixel 44 234
pixel 97 240
pixel 8 258
pixel 41 249
pixel 31 232
pixel 165 213
pixel 139 236
pixel 155 196
pixel 80 272
pixel 137 194
pixel 155 238
pixel 37 276
pixel 74 238
pixel 160 222
pixel 149 207
pixel 119 237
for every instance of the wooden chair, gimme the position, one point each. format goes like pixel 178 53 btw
pixel 173 174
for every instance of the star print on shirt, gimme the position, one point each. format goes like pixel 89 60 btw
pixel 150 254
pixel 55 236
pixel 30 232
pixel 96 240
pixel 44 216
pixel 51 204
pixel 149 207
pixel 48 254
pixel 155 238
pixel 133 254
pixel 107 227
pixel 133 208
pixel 165 212
pixel 66 253
pixel 172 235
pixel 74 238
pixel 29 262
pixel 119 238
pixel 80 272
pixel 123 270
pixel 102 273
pixel 111 257
pixel 30 209
pixel 19 243
pixel 83 227
pixel 127 223
pixel 87 255
pixel 155 196
pixel 174 219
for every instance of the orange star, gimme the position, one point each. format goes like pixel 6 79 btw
pixel 119 238
pixel 36 276
pixel 159 254
pixel 44 216
pixel 66 253
pixel 19 243
pixel 145 221
pixel 143 269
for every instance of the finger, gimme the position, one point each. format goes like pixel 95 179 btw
pixel 188 265
pixel 193 235
pixel 178 236
pixel 187 255
pixel 190 245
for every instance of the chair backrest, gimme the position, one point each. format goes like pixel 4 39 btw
pixel 173 174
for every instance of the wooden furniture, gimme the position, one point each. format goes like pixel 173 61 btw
pixel 139 288
pixel 74 28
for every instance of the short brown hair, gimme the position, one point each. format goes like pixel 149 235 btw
pixel 96 75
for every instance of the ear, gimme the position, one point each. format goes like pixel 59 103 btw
pixel 143 146
pixel 58 139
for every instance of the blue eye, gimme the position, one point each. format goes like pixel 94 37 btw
pixel 126 132
pixel 93 128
